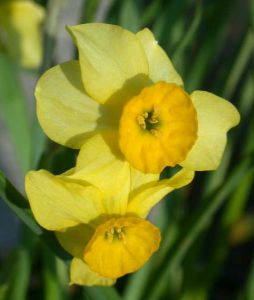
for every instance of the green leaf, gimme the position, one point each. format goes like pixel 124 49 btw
pixel 21 265
pixel 195 226
pixel 100 293
pixel 14 112
pixel 18 204
pixel 151 10
pixel 129 15
pixel 53 289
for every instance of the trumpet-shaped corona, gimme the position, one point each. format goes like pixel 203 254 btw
pixel 158 127
pixel 121 246
pixel 122 104
pixel 98 219
pixel 125 88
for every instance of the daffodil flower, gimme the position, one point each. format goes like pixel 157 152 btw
pixel 125 88
pixel 98 212
pixel 20 31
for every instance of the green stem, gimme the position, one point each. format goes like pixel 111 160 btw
pixel 53 10
pixel 203 219
pixel 244 55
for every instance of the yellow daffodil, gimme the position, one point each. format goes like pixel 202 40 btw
pixel 125 88
pixel 20 31
pixel 98 212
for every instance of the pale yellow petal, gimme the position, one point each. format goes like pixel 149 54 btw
pixel 20 23
pixel 74 239
pixel 104 169
pixel 160 66
pixel 82 275
pixel 59 202
pixel 150 194
pixel 111 59
pixel 139 178
pixel 66 114
pixel 215 117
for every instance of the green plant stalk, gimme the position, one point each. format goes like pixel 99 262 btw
pixel 239 65
pixel 209 44
pixel 189 35
pixel 249 288
pixel 14 113
pixel 100 293
pixel 200 223
pixel 21 269
pixel 50 32
pixel 52 287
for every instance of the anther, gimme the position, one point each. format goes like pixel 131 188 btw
pixel 154 132
pixel 141 121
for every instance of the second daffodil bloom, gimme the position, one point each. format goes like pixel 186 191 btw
pixel 20 31
pixel 125 88
pixel 98 212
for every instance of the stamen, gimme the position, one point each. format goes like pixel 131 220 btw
pixel 141 121
pixel 154 132
pixel 115 234
pixel 148 120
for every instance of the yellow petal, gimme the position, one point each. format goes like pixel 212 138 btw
pixel 101 167
pixel 74 239
pixel 20 23
pixel 111 59
pixel 139 178
pixel 215 117
pixel 58 202
pixel 66 114
pixel 160 66
pixel 82 275
pixel 150 194
pixel 121 246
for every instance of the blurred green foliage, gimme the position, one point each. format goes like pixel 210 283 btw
pixel 207 248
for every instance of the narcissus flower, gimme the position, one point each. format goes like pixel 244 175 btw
pixel 125 88
pixel 98 212
pixel 20 31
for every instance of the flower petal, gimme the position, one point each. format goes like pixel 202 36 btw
pixel 65 112
pixel 58 202
pixel 74 239
pixel 82 275
pixel 20 23
pixel 215 117
pixel 150 194
pixel 139 178
pixel 111 58
pixel 98 165
pixel 160 66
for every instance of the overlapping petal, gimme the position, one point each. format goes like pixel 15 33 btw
pixel 160 66
pixel 65 112
pixel 147 196
pixel 215 117
pixel 74 239
pixel 59 202
pixel 111 59
pixel 98 165
pixel 139 178
pixel 82 275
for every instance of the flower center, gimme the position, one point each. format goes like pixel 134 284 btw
pixel 121 245
pixel 149 120
pixel 158 127
pixel 114 234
